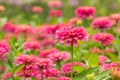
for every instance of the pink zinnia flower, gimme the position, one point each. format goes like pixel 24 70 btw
pixel 104 38
pixel 102 59
pixel 37 9
pixel 59 56
pixel 4 48
pixel 6 76
pixel 51 72
pixel 115 17
pixel 71 34
pixel 56 13
pixel 55 4
pixel 102 23
pixel 46 53
pixel 63 78
pixel 66 68
pixel 85 11
pixel 34 45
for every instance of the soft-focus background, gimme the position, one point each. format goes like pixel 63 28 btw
pixel 19 11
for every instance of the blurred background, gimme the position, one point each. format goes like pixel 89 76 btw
pixel 21 11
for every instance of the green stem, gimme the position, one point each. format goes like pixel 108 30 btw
pixel 59 66
pixel 72 60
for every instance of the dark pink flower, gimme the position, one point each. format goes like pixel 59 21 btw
pixel 71 34
pixel 34 45
pixel 66 68
pixel 85 11
pixel 56 13
pixel 51 72
pixel 63 78
pixel 104 38
pixel 102 23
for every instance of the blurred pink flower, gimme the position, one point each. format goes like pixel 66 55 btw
pixel 37 9
pixel 115 17
pixel 102 23
pixel 71 34
pixel 103 59
pixel 63 78
pixel 104 38
pixel 5 76
pixel 85 11
pixel 33 45
pixel 55 4
pixel 66 68
pixel 59 56
pixel 55 13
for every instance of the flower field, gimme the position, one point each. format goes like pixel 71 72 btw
pixel 59 40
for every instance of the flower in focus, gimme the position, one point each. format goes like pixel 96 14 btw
pixel 66 68
pixel 55 4
pixel 34 45
pixel 55 13
pixel 104 38
pixel 85 11
pixel 59 56
pixel 63 78
pixel 51 72
pixel 102 23
pixel 71 34
pixel 37 9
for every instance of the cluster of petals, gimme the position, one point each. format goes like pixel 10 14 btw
pixel 55 13
pixel 115 17
pixel 66 68
pixel 4 48
pixel 59 56
pixel 102 23
pixel 32 45
pixel 71 35
pixel 63 78
pixel 104 38
pixel 85 11
pixel 55 4
pixel 102 59
pixel 51 72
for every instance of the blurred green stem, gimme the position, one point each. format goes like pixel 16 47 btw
pixel 72 60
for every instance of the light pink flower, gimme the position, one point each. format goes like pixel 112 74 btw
pixel 85 11
pixel 104 38
pixel 71 34
pixel 102 59
pixel 37 9
pixel 55 4
pixel 6 76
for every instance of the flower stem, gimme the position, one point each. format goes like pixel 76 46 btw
pixel 42 75
pixel 72 60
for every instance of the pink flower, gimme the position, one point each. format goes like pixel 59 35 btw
pixel 44 63
pixel 102 59
pixel 4 48
pixel 63 78
pixel 104 38
pixel 66 68
pixel 109 66
pixel 56 13
pixel 115 17
pixel 5 76
pixel 102 23
pixel 51 72
pixel 85 11
pixel 71 34
pixel 46 53
pixel 9 27
pixel 55 4
pixel 37 9
pixel 59 56
pixel 34 45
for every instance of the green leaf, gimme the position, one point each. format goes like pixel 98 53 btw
pixel 83 75
pixel 3 21
pixel 17 69
pixel 102 75
pixel 78 69
pixel 93 60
